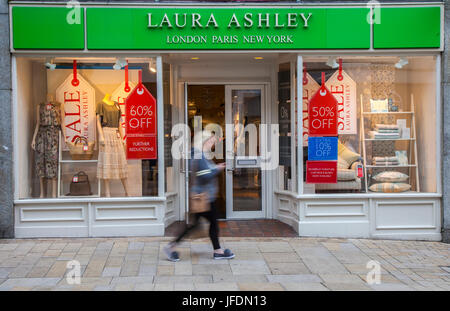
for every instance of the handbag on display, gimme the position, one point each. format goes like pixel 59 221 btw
pixel 80 186
pixel 81 149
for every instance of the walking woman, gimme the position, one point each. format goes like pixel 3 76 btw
pixel 204 180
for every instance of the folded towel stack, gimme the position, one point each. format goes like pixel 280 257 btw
pixel 386 127
pixel 385 131
pixel 384 161
pixel 379 135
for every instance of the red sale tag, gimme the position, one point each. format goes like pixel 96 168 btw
pixel 359 171
pixel 322 113
pixel 321 172
pixel 141 130
pixel 49 106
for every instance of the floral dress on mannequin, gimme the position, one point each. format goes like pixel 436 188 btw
pixel 47 140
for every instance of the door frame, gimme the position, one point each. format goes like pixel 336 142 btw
pixel 266 179
pixel 229 172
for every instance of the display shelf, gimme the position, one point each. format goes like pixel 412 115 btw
pixel 78 161
pixel 388 112
pixel 411 167
pixel 398 166
pixel 389 139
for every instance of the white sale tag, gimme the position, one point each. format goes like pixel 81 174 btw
pixel 79 109
pixel 85 148
pixel 345 93
pixel 75 179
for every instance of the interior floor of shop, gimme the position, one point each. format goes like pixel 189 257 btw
pixel 241 228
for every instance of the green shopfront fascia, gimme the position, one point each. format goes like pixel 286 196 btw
pixel 228 63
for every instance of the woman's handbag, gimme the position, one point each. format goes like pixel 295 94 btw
pixel 199 202
pixel 81 149
pixel 80 186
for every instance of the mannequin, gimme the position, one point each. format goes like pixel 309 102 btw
pixel 115 137
pixel 46 151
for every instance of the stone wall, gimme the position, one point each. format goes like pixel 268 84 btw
pixel 6 165
pixel 446 130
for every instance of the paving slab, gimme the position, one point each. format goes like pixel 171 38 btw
pixel 111 271
pixel 270 247
pixel 223 286
pixel 347 286
pixel 209 269
pixel 28 282
pixel 303 286
pixel 252 278
pixel 249 267
pixel 260 287
pixel 286 257
pixel 288 268
pixel 183 279
pixel 294 278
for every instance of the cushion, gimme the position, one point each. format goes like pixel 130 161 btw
pixel 342 164
pixel 346 175
pixel 390 187
pixel 347 155
pixel 390 176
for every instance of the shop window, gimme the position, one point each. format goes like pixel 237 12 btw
pixel 386 119
pixel 284 121
pixel 72 137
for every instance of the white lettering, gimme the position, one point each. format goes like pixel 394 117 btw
pixel 234 21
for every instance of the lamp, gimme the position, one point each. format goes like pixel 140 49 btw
pixel 151 66
pixel 402 62
pixel 332 62
pixel 120 63
pixel 49 64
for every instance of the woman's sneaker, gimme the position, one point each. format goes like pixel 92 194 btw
pixel 171 255
pixel 227 254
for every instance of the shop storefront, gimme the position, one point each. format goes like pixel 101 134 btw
pixel 103 97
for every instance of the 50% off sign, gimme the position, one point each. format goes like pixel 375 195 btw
pixel 322 111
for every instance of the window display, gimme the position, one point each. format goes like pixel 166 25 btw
pixel 111 156
pixel 78 133
pixel 382 146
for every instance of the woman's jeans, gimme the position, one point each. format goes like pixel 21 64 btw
pixel 211 215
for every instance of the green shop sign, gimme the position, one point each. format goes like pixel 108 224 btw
pixel 237 28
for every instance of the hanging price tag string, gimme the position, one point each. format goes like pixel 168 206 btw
pixel 140 90
pixel 127 86
pixel 75 81
pixel 323 90
pixel 340 77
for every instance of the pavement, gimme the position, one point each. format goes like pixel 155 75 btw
pixel 261 264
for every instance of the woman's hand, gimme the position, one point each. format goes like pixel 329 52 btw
pixel 221 166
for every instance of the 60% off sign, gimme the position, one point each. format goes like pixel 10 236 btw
pixel 140 110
